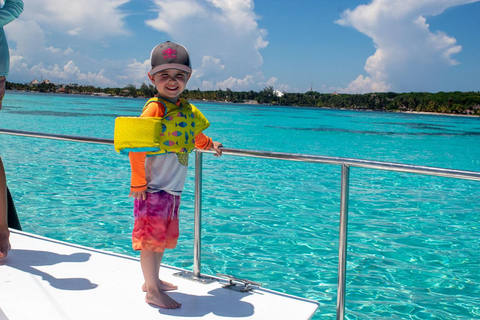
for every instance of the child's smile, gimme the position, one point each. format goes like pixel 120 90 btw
pixel 172 88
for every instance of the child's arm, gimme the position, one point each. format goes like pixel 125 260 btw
pixel 205 143
pixel 138 184
pixel 216 147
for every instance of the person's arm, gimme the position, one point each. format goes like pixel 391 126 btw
pixel 4 232
pixel 138 185
pixel 10 11
pixel 216 146
pixel 206 143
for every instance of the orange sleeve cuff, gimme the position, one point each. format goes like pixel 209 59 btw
pixel 203 142
pixel 137 165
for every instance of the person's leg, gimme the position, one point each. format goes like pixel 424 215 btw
pixel 163 285
pixel 172 233
pixel 150 261
pixel 13 221
pixel 156 226
pixel 3 81
pixel 4 231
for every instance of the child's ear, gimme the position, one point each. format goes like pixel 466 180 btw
pixel 188 76
pixel 152 78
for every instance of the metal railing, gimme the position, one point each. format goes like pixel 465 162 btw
pixel 345 164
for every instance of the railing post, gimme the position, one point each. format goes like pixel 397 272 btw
pixel 198 215
pixel 342 243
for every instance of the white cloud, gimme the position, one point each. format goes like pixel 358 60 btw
pixel 228 57
pixel 171 12
pixel 236 84
pixel 407 53
pixel 43 22
pixel 68 73
pixel 136 72
pixel 99 79
pixel 207 86
pixel 230 54
pixel 86 18
pixel 272 82
pixel 75 32
pixel 29 39
pixel 68 51
pixel 366 84
pixel 58 50
pixel 33 59
pixel 210 65
pixel 52 39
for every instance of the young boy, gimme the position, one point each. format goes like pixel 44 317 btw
pixel 158 177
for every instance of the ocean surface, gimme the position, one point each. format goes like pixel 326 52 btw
pixel 413 241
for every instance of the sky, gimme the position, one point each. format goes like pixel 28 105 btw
pixel 344 46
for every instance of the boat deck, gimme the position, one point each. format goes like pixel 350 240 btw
pixel 47 279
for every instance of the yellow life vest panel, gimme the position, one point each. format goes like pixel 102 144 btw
pixel 173 133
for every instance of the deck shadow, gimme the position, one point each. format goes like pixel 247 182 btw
pixel 209 304
pixel 27 260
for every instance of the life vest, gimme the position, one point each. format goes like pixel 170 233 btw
pixel 180 125
pixel 173 133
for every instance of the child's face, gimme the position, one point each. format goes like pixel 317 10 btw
pixel 170 83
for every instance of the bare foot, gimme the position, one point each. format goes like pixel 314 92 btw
pixel 163 285
pixel 162 300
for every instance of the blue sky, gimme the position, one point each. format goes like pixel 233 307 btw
pixel 328 45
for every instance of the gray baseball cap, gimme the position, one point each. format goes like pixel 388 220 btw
pixel 170 55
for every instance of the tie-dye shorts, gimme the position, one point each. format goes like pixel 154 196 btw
pixel 156 222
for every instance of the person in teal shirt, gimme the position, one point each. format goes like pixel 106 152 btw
pixel 10 10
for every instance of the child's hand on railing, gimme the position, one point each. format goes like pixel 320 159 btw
pixel 216 146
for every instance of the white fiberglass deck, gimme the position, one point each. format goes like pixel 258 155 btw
pixel 47 279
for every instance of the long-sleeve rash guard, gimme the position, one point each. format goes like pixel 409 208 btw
pixel 137 159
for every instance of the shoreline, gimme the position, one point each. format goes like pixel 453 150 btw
pixel 442 114
pixel 97 95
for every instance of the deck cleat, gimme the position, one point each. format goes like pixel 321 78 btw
pixel 235 283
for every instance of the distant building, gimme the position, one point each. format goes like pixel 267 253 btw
pixel 35 82
pixel 125 92
pixel 62 90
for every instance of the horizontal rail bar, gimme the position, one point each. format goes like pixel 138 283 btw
pixel 55 136
pixel 352 162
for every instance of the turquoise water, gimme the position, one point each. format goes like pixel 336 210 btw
pixel 413 241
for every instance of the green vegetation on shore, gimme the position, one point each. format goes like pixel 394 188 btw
pixel 467 103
